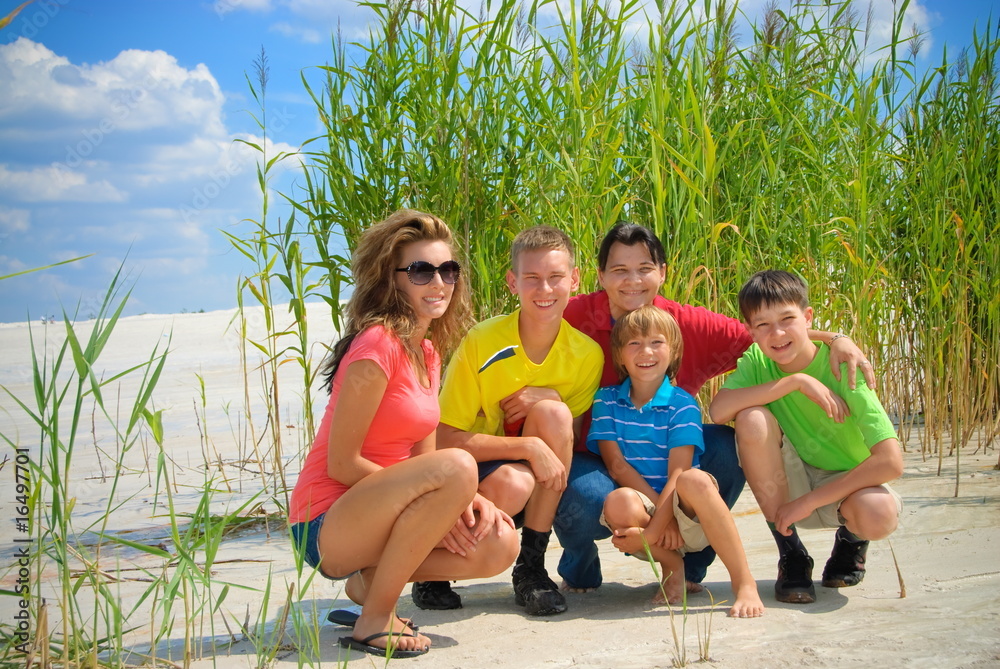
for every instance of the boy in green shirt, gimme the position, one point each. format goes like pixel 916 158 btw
pixel 815 452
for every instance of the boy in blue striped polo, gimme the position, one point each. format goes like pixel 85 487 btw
pixel 649 435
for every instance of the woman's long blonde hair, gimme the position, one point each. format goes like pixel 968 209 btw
pixel 376 301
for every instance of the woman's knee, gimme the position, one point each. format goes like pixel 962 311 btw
pixel 498 553
pixel 457 469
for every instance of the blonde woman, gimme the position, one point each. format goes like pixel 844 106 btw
pixel 376 503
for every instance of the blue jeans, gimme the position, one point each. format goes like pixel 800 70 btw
pixel 576 523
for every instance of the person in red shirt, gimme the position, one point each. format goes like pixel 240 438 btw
pixel 631 270
pixel 376 503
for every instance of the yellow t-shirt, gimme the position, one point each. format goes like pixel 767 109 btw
pixel 490 364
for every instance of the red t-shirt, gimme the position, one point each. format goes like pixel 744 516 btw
pixel 407 413
pixel 712 342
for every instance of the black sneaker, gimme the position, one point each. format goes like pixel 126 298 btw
pixel 536 592
pixel 794 584
pixel 846 566
pixel 436 595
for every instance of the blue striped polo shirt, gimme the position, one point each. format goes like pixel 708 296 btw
pixel 645 435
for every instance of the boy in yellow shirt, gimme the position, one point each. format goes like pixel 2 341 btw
pixel 513 395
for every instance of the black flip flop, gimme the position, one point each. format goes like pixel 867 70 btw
pixel 364 646
pixel 347 618
pixel 344 617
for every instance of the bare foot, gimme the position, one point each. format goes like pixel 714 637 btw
pixel 566 587
pixel 402 637
pixel 748 604
pixel 673 586
pixel 694 588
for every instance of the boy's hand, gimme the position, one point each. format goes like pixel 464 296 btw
pixel 628 540
pixel 790 513
pixel 548 469
pixel 827 400
pixel 843 350
pixel 517 405
pixel 668 537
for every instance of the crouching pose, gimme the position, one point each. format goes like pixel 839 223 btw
pixel 376 503
pixel 648 433
pixel 513 397
pixel 816 452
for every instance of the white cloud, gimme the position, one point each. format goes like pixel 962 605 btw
pixel 139 121
pixel 68 254
pixel 139 148
pixel 313 21
pixel 326 11
pixel 14 220
pixel 750 12
pixel 135 91
pixel 300 33
pixel 10 265
pixel 223 7
pixel 55 183
pixel 879 29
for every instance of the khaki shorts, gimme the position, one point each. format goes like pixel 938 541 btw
pixel 803 478
pixel 691 530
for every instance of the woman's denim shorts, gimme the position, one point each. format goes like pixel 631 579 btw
pixel 305 541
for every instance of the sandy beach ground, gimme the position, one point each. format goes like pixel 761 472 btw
pixel 947 546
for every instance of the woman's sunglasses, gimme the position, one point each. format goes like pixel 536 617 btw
pixel 421 272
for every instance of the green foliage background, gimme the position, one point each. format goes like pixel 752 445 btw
pixel 800 150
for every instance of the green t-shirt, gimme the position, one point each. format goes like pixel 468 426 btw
pixel 819 440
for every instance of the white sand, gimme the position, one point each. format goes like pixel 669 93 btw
pixel 947 546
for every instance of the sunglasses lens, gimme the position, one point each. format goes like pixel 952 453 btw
pixel 421 272
pixel 449 271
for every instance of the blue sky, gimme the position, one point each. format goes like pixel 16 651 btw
pixel 117 121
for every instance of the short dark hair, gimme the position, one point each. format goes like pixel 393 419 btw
pixel 631 234
pixel 769 288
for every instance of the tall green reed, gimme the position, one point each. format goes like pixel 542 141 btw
pixel 802 149
pixel 86 618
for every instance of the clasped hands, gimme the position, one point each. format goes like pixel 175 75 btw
pixel 480 518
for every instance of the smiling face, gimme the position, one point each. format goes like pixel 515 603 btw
pixel 646 357
pixel 631 278
pixel 543 279
pixel 431 300
pixel 782 333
